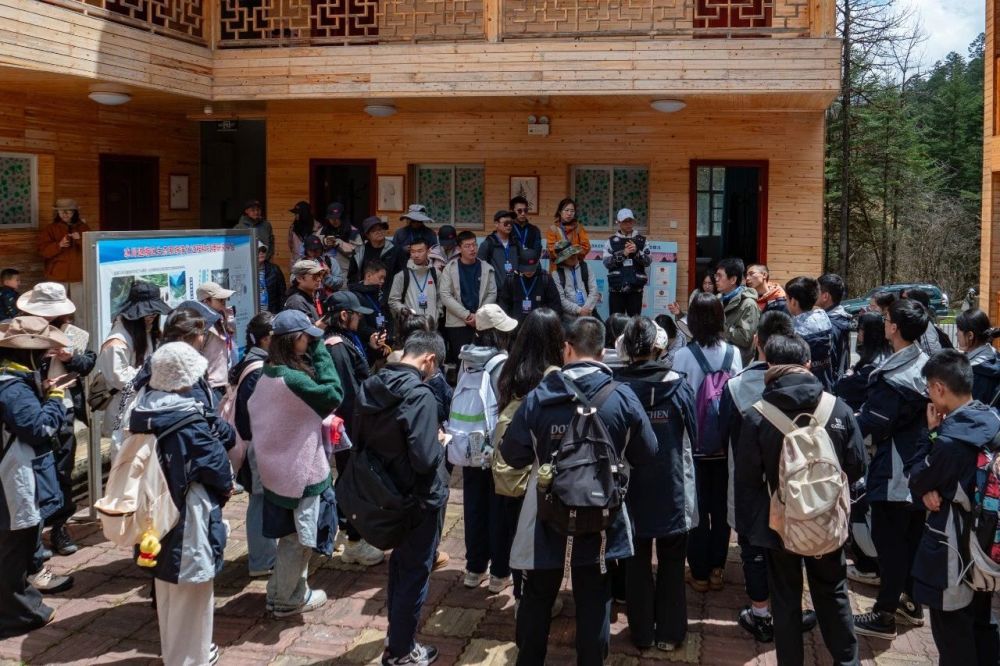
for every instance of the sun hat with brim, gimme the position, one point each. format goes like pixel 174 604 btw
pixel 564 250
pixel 31 333
pixel 492 316
pixel 372 222
pixel 210 316
pixel 46 299
pixel 417 213
pixel 293 321
pixel 143 300
pixel 65 204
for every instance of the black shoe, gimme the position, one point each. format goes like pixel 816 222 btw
pixel 876 624
pixel 420 655
pixel 61 541
pixel 809 620
pixel 909 611
pixel 761 628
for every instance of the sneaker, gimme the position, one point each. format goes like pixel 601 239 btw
pixel 716 579
pixel 261 573
pixel 420 655
pixel 909 611
pixel 238 489
pixel 473 580
pixel 498 584
pixel 213 654
pixel 315 599
pixel 61 541
pixel 761 628
pixel 809 620
pixel 47 582
pixel 876 624
pixel 666 646
pixel 441 560
pixel 362 552
pixel 864 577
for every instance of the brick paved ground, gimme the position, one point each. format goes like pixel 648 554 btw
pixel 106 617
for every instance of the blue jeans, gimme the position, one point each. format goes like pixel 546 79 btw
pixel 487 541
pixel 409 576
pixel 262 551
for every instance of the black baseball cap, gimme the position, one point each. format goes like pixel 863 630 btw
pixel 497 216
pixel 447 235
pixel 528 262
pixel 345 300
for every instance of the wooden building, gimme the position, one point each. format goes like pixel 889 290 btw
pixel 451 101
pixel 989 265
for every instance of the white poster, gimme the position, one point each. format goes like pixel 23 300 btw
pixel 662 286
pixel 177 262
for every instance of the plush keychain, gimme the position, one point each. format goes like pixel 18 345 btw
pixel 149 548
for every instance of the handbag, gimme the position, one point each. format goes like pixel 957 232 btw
pixel 100 393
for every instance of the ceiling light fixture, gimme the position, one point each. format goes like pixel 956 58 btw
pixel 380 110
pixel 109 97
pixel 667 105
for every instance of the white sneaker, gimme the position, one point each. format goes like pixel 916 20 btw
pixel 47 582
pixel 473 580
pixel 362 552
pixel 862 576
pixel 498 585
pixel 315 599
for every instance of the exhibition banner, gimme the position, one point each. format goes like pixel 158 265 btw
pixel 175 261
pixel 662 286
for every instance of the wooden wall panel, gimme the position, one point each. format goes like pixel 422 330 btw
pixel 68 137
pixel 791 141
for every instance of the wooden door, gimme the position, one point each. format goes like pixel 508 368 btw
pixel 130 192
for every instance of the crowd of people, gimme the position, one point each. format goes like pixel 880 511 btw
pixel 588 449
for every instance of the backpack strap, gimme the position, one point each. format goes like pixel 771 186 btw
pixel 699 357
pixel 181 423
pixel 598 400
pixel 585 275
pixel 251 367
pixel 779 420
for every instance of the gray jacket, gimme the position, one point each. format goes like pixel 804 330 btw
pixel 451 292
pixel 262 230
pixel 411 299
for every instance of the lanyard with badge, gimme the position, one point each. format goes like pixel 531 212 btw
pixel 580 297
pixel 421 288
pixel 522 236
pixel 379 319
pixel 526 303
pixel 507 266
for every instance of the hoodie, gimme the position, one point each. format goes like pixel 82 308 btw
pixel 370 296
pixel 950 468
pixel 200 478
pixel 815 328
pixel 396 418
pixel 474 357
pixel 840 353
pixel 661 496
pixel 985 373
pixel 759 451
pixel 537 430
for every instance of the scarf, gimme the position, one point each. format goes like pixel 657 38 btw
pixel 778 371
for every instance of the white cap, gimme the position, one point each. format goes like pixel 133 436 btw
pixel 625 214
pixel 492 316
pixel 212 290
pixel 176 366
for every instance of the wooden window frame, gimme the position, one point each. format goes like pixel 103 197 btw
pixel 35 207
pixel 413 171
pixel 610 168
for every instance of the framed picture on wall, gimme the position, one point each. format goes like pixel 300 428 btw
pixel 527 187
pixel 180 195
pixel 391 193
pixel 18 191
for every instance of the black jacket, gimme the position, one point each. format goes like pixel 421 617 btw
pixel 371 297
pixel 352 367
pixel 274 283
pixel 543 294
pixel 396 419
pixel 852 388
pixel 245 390
pixel 303 302
pixel 985 373
pixel 759 450
pixel 492 251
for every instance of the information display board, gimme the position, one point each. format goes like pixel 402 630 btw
pixel 175 261
pixel 661 289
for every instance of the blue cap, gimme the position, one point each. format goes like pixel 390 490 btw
pixel 210 316
pixel 293 321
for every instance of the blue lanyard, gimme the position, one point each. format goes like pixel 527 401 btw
pixel 374 303
pixel 506 248
pixel 523 237
pixel 573 275
pixel 356 340
pixel 527 292
pixel 427 276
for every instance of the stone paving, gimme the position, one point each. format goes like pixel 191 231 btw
pixel 106 617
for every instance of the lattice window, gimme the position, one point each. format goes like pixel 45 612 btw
pixel 184 17
pixel 733 13
pixel 453 193
pixel 600 191
pixel 18 190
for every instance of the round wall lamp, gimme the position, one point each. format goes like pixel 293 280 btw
pixel 109 96
pixel 380 110
pixel 667 105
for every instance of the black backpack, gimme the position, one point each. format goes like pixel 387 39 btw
pixel 589 480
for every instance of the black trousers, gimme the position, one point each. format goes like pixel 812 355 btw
pixel 828 588
pixel 708 544
pixel 592 595
pixel 754 559
pixel 65 455
pixel 455 338
pixel 629 303
pixel 410 567
pixel 657 612
pixel 896 531
pixel 21 606
pixel 967 636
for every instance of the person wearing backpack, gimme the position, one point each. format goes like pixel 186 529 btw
pixel 577 415
pixel 661 496
pixel 975 338
pixel 945 482
pixel 200 480
pixel 831 292
pixel 471 423
pixel 415 288
pixel 795 413
pixel 893 421
pixel 577 286
pixel 707 363
pixel 813 325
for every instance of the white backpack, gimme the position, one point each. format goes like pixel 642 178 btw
pixel 137 497
pixel 227 412
pixel 473 416
pixel 811 506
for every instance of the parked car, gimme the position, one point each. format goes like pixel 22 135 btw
pixel 939 299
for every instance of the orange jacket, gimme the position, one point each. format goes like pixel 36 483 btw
pixel 554 234
pixel 62 264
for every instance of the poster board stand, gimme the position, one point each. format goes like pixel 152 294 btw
pixel 178 262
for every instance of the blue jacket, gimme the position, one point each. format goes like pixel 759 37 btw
pixel 985 373
pixel 197 469
pixel 537 426
pixel 816 329
pixel 840 352
pixel 30 425
pixel 893 422
pixel 739 395
pixel 950 468
pixel 661 497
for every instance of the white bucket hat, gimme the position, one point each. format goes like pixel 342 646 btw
pixel 176 366
pixel 46 299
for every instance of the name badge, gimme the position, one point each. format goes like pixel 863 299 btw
pixel 422 300
pixel 509 267
pixel 580 298
pixel 379 321
pixel 526 305
pixel 627 262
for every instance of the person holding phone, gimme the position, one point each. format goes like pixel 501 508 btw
pixel 61 246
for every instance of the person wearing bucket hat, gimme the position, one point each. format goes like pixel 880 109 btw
pixel 340 238
pixel 61 247
pixel 253 219
pixel 416 220
pixel 501 248
pixel 298 389
pixel 375 248
pixel 530 289
pixel 199 478
pixel 578 291
pixel 31 414
pixel 303 225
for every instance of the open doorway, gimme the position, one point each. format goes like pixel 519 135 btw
pixel 130 192
pixel 728 213
pixel 233 170
pixel 350 182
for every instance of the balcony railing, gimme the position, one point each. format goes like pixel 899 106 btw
pixel 180 19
